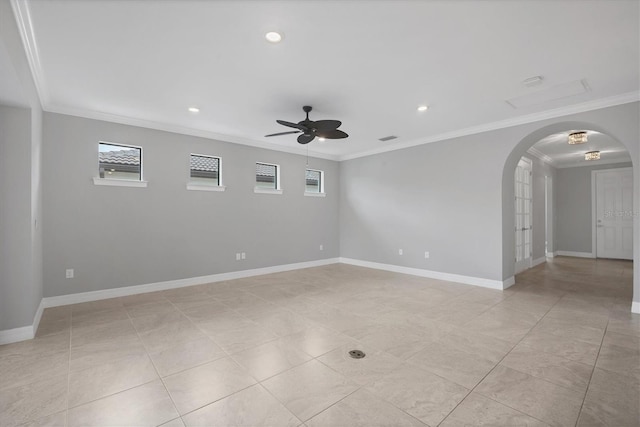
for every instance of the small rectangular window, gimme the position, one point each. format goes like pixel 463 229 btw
pixel 121 162
pixel 205 170
pixel 314 181
pixel 267 176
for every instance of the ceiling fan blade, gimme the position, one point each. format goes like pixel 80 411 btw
pixel 306 138
pixel 321 125
pixel 332 134
pixel 292 125
pixel 284 133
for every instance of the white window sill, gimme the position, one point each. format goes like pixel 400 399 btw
pixel 315 194
pixel 205 187
pixel 119 182
pixel 266 190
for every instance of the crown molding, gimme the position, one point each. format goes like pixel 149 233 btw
pixel 22 14
pixel 168 127
pixel 596 104
pixel 540 155
pixel 591 163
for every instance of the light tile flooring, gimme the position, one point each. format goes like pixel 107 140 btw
pixel 559 348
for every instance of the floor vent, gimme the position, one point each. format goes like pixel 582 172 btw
pixel 356 354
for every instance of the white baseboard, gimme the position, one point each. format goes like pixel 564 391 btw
pixel 552 254
pixel 467 280
pixel 538 261
pixel 180 283
pixel 635 307
pixel 9 336
pixel 28 332
pixel 576 254
pixel 24 333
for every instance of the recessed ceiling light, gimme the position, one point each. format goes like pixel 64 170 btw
pixel 423 108
pixel 321 139
pixel 273 37
pixel 193 109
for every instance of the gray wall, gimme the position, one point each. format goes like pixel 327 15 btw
pixel 573 186
pixel 441 197
pixel 19 293
pixel 117 236
pixel 454 198
pixel 21 284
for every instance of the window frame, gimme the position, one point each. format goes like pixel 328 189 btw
pixel 199 186
pixel 321 192
pixel 140 183
pixel 278 184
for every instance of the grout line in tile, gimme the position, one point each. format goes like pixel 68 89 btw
pixel 495 366
pixel 593 369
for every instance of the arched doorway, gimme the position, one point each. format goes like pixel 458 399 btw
pixel 508 195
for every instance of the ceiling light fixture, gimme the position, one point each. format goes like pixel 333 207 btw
pixel 193 109
pixel 423 108
pixel 273 37
pixel 592 155
pixel 577 138
pixel 321 139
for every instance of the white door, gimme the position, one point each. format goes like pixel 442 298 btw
pixel 523 214
pixel 614 213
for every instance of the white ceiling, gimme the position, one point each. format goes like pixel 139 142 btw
pixel 367 63
pixel 559 153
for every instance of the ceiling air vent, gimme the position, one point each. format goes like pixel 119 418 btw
pixel 387 138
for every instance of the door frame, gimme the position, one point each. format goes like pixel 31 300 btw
pixel 520 266
pixel 594 231
pixel 549 217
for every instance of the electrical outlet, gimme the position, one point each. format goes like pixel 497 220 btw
pixel 321 247
pixel 244 255
pixel 399 251
pixel 238 256
pixel 69 273
pixel 426 255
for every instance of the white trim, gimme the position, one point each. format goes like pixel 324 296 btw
pixel 552 254
pixel 540 155
pixel 309 194
pixel 37 317
pixel 9 336
pixel 539 261
pixel 24 333
pixel 467 280
pixel 168 127
pixel 596 104
pixel 576 254
pixel 594 230
pixel 507 283
pixel 204 187
pixel 635 307
pixel 179 283
pixel 119 182
pixel 266 190
pixel 22 14
pixel 587 163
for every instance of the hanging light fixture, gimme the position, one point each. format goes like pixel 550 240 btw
pixel 592 155
pixel 577 138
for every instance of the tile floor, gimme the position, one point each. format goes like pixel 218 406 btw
pixel 559 348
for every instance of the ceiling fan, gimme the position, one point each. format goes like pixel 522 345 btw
pixel 310 129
